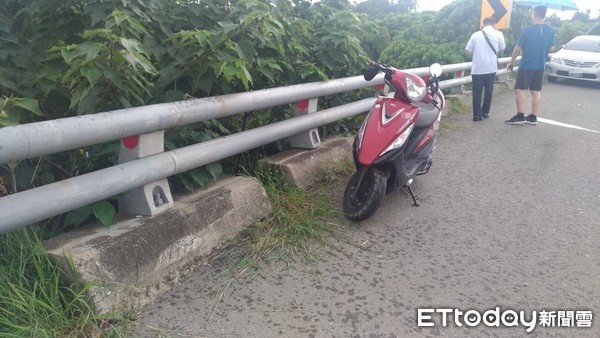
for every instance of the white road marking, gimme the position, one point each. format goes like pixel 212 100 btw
pixel 566 125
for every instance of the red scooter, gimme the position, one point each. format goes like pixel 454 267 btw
pixel 396 141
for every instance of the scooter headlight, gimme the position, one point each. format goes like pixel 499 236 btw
pixel 414 92
pixel 400 140
pixel 361 131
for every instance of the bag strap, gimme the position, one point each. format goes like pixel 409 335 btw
pixel 489 42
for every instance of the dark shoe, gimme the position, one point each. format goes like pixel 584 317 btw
pixel 517 119
pixel 531 119
pixel 477 118
pixel 485 116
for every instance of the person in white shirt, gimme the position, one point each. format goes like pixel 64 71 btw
pixel 483 47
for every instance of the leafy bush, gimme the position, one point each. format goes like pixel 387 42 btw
pixel 66 58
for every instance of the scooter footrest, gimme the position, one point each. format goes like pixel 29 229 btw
pixel 425 169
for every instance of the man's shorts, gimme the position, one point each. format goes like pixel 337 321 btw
pixel 529 79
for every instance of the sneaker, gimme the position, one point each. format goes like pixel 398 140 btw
pixel 485 116
pixel 531 119
pixel 517 119
pixel 477 118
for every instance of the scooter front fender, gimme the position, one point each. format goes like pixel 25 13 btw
pixel 361 176
pixel 388 119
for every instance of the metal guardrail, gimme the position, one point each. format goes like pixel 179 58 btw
pixel 38 139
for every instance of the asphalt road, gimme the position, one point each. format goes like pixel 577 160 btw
pixel 509 219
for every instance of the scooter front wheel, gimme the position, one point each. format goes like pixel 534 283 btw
pixel 363 197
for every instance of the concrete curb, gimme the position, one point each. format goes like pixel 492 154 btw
pixel 304 168
pixel 135 260
pixel 464 102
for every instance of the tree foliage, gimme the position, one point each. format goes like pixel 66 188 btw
pixel 381 8
pixel 63 58
pixel 420 39
pixel 66 58
pixel 580 24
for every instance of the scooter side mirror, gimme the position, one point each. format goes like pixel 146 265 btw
pixel 370 72
pixel 436 70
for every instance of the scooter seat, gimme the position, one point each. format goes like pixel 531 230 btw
pixel 428 114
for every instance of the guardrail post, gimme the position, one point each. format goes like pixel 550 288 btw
pixel 383 89
pixel 458 89
pixel 310 140
pixel 151 198
pixel 503 77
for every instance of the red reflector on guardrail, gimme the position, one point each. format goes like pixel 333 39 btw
pixel 302 105
pixel 130 142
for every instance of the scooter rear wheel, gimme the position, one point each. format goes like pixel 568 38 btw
pixel 361 201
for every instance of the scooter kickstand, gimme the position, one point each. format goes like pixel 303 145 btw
pixel 415 198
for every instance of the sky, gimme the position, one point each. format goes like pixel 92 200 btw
pixel 592 5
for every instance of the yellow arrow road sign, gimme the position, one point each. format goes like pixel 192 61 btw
pixel 499 10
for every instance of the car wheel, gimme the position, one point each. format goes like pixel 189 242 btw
pixel 551 78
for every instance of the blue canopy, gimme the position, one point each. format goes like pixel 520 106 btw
pixel 562 5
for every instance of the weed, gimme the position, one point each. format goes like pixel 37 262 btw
pixel 331 173
pixel 449 121
pixel 35 298
pixel 301 220
pixel 457 105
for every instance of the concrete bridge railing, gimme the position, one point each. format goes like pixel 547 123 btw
pixel 144 165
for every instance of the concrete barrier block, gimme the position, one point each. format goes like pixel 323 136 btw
pixel 461 103
pixel 302 168
pixel 502 87
pixel 458 103
pixel 131 262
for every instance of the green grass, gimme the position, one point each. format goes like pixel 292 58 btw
pixel 449 122
pixel 35 298
pixel 301 220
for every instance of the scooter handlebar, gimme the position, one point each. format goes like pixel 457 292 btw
pixel 374 67
pixel 382 67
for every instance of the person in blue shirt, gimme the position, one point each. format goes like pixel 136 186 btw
pixel 535 42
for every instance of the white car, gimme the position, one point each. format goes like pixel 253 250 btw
pixel 579 59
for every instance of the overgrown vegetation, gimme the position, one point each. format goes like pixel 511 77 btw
pixel 67 58
pixel 300 218
pixel 419 39
pixel 35 299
